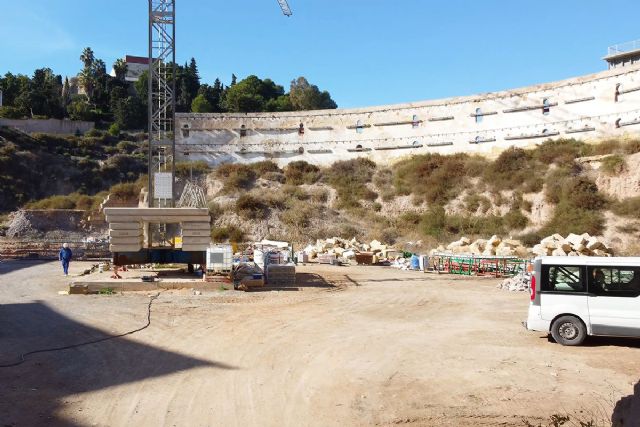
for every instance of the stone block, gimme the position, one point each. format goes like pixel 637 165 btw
pixel 594 243
pixel 134 225
pixel 575 240
pixel 125 233
pixel 558 252
pixel 134 240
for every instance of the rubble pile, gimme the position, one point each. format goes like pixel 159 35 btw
pixel 351 250
pixel 19 224
pixel 572 245
pixel 555 245
pixel 518 283
pixel 495 246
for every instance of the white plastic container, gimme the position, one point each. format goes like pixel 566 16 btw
pixel 219 258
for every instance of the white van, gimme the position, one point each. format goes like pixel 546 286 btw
pixel 572 297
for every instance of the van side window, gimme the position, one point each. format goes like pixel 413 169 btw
pixel 564 279
pixel 614 281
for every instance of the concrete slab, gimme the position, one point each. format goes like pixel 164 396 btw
pixel 135 240
pixel 134 225
pixel 158 219
pixel 157 211
pixel 196 226
pixel 196 233
pixel 125 233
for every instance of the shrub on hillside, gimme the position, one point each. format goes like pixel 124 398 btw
pixel 350 178
pixel 185 170
pixel 275 177
pixel 70 201
pixel 235 176
pixel 632 146
pixel 567 219
pixel 474 201
pixel 608 146
pixel 613 165
pixel 227 234
pixel 264 167
pixel 126 190
pixel 433 178
pixel 251 207
pixel 515 220
pixel 301 172
pixel 628 207
pixel 515 168
pixel 295 192
pixel 299 216
pixel 561 151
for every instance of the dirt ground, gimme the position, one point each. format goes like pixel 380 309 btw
pixel 353 346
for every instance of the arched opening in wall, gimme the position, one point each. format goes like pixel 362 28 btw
pixel 415 121
pixel 359 127
pixel 545 131
pixel 301 150
pixel 618 123
pixel 478 115
pixel 185 130
pixel 617 94
pixel 478 139
pixel 415 143
pixel 243 130
pixel 546 106
pixel 301 129
pixel 359 147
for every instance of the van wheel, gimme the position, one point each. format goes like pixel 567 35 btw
pixel 568 330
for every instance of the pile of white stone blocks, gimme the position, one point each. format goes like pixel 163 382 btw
pixel 127 227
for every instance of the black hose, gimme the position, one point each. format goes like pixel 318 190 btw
pixel 67 347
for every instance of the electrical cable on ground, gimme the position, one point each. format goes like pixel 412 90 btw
pixel 82 344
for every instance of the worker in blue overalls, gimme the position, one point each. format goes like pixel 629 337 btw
pixel 65 257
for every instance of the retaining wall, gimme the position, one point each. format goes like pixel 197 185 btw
pixel 55 126
pixel 591 107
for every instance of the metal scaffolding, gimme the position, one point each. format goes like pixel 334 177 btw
pixel 162 103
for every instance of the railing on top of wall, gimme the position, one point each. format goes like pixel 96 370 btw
pixel 623 47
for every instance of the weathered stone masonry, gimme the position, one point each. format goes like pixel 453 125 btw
pixel 605 104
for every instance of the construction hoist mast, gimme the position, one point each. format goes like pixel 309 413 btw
pixel 162 100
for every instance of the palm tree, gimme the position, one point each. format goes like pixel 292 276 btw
pixel 120 68
pixel 87 82
pixel 87 57
pixel 99 68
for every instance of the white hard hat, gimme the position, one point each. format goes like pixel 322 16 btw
pixel 65 245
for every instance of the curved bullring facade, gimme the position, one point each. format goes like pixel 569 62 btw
pixel 596 106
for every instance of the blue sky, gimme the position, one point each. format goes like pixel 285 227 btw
pixel 365 52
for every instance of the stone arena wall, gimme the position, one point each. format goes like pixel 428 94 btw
pixel 591 107
pixel 63 127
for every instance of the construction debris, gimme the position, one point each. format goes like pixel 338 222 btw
pixel 555 245
pixel 336 248
pixel 518 283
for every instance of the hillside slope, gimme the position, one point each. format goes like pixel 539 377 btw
pixel 39 166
